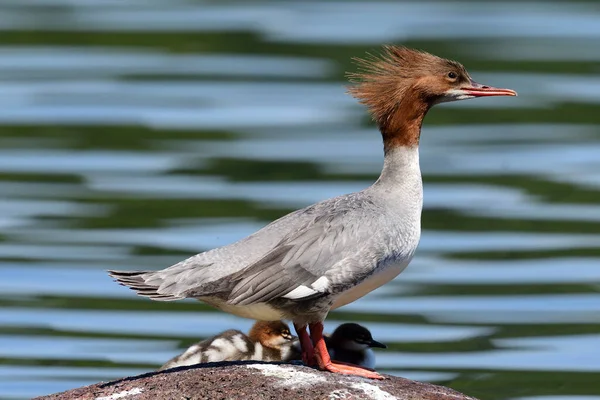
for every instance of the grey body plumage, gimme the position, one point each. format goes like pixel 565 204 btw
pixel 309 261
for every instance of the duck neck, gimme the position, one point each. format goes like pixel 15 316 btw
pixel 399 162
pixel 400 126
pixel 401 173
pixel 401 130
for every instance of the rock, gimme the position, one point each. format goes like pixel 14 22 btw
pixel 254 380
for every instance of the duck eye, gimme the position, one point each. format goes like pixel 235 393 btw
pixel 452 75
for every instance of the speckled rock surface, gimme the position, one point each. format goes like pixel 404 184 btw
pixel 251 380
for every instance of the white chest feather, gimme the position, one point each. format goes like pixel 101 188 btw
pixel 376 280
pixel 401 187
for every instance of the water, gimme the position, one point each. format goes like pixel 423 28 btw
pixel 137 133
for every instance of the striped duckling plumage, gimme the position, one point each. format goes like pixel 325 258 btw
pixel 266 341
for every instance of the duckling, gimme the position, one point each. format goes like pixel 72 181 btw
pixel 351 343
pixel 266 341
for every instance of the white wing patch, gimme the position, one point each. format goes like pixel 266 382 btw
pixel 258 352
pixel 213 355
pixel 220 343
pixel 191 359
pixel 319 286
pixel 220 349
pixel 190 352
pixel 300 292
pixel 239 343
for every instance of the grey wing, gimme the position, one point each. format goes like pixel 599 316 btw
pixel 306 264
pixel 331 247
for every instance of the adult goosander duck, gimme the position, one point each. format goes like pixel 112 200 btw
pixel 266 341
pixel 329 254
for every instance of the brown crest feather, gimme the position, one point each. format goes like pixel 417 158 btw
pixel 390 85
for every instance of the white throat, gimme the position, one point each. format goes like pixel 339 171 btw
pixel 401 164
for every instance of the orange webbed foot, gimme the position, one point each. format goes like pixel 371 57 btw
pixel 347 369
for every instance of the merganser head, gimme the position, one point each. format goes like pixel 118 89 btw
pixel 353 337
pixel 402 84
pixel 272 334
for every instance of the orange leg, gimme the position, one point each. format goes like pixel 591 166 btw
pixel 308 351
pixel 325 363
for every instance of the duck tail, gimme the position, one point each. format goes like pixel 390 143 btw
pixel 136 280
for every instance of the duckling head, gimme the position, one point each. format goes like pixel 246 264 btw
pixel 272 334
pixel 354 337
